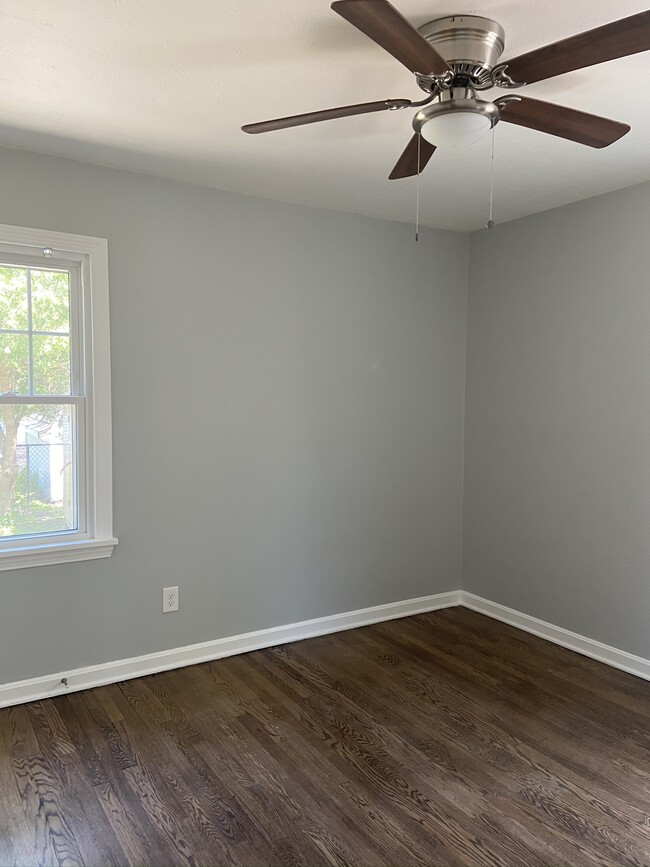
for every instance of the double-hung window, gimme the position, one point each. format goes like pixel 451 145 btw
pixel 55 419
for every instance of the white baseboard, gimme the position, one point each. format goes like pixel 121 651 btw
pixel 90 676
pixel 587 646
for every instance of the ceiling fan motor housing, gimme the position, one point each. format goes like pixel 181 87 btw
pixel 470 44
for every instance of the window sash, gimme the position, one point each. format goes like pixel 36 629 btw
pixel 79 472
pixel 73 270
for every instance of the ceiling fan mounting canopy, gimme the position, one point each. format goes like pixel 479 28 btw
pixel 470 44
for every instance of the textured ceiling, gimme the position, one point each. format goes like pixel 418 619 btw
pixel 163 87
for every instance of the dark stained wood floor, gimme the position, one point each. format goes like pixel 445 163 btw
pixel 442 739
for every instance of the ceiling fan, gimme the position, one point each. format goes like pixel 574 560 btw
pixel 456 57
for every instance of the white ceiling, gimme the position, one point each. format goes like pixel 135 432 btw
pixel 162 87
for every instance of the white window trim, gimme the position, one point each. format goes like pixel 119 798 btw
pixel 98 541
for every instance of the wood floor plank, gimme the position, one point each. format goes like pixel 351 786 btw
pixel 15 831
pixel 353 818
pixel 167 786
pixel 444 739
pixel 453 804
pixel 66 813
pixel 394 761
pixel 534 704
pixel 574 687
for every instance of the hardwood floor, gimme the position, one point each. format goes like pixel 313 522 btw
pixel 442 739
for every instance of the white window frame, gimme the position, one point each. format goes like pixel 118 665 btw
pixel 95 538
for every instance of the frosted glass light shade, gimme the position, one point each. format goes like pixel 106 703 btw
pixel 457 129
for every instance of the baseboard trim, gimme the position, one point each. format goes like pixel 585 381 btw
pixel 91 676
pixel 621 659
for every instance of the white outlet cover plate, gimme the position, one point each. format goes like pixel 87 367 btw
pixel 170 599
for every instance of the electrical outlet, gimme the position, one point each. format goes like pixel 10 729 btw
pixel 170 599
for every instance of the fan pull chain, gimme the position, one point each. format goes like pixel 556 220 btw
pixel 490 223
pixel 417 195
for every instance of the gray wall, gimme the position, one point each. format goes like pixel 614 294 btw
pixel 288 408
pixel 557 461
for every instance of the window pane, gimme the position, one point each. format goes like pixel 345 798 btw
pixel 51 360
pixel 13 298
pixel 37 477
pixel 14 364
pixel 50 301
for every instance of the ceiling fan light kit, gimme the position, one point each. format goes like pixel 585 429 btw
pixel 455 57
pixel 456 126
pixel 456 121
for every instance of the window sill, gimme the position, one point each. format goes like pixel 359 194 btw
pixel 57 552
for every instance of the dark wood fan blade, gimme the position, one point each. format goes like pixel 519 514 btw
pixel 587 129
pixel 407 165
pixel 385 26
pixel 327 114
pixel 618 39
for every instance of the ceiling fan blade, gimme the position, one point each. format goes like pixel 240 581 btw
pixel 618 39
pixel 587 129
pixel 407 165
pixel 327 114
pixel 385 26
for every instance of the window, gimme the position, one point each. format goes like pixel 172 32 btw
pixel 55 419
